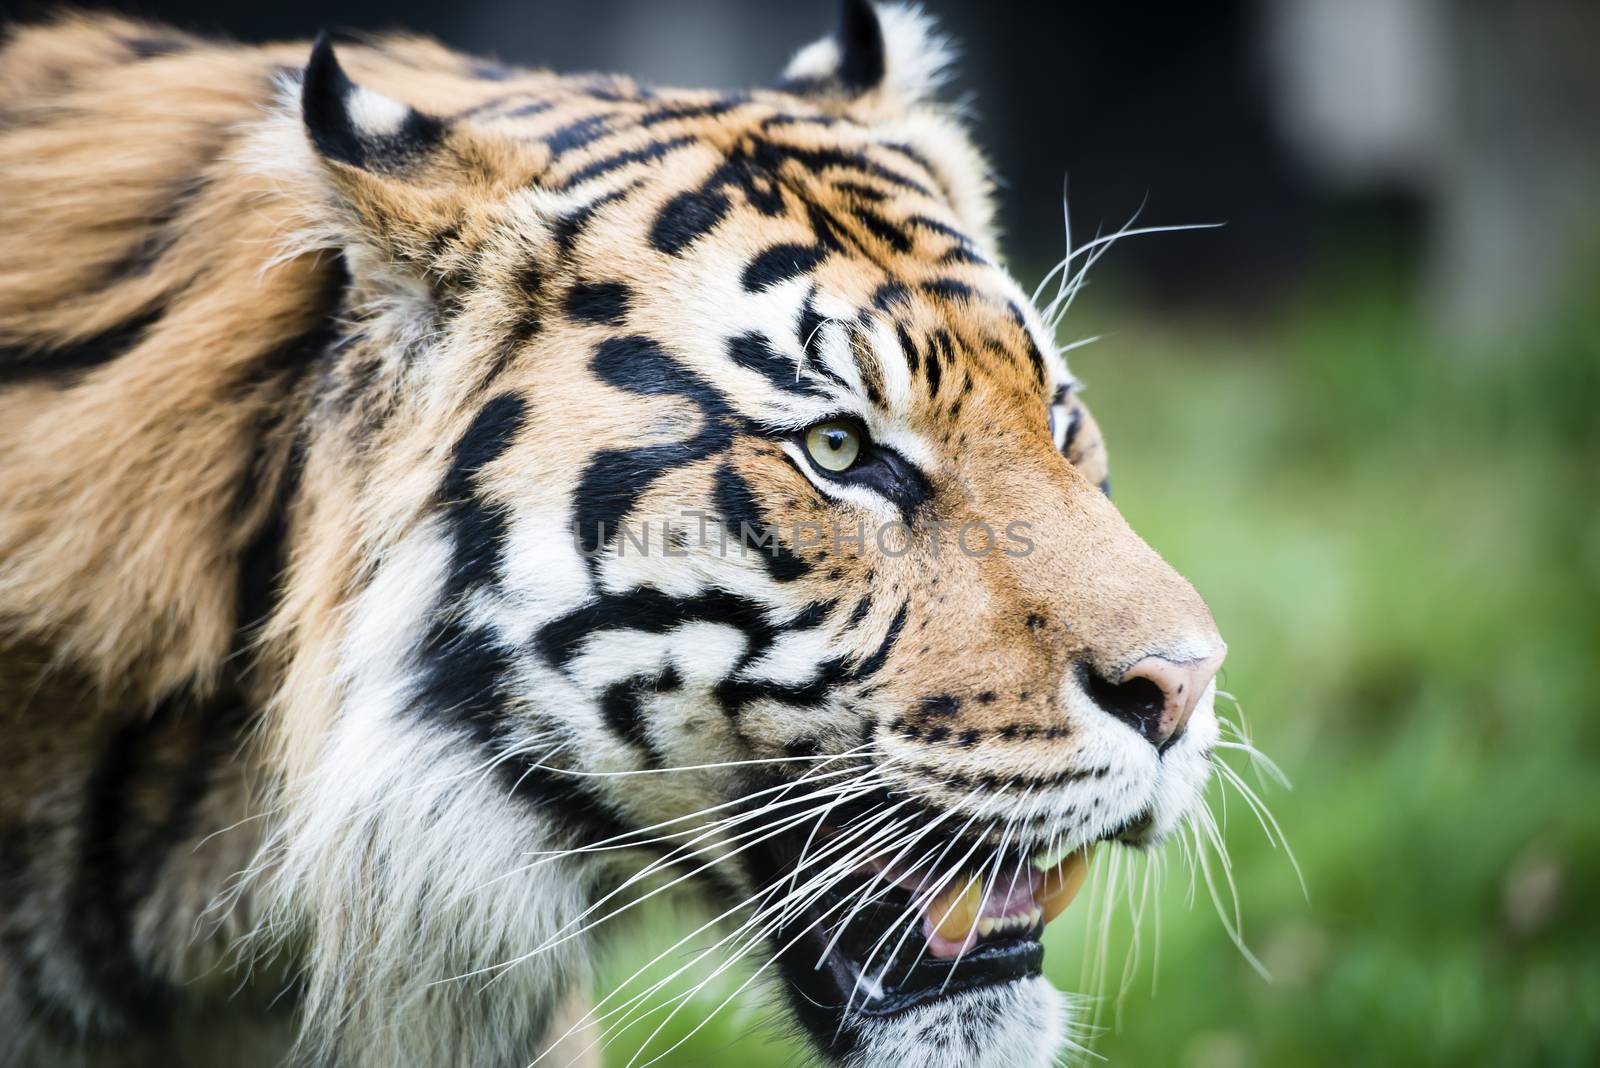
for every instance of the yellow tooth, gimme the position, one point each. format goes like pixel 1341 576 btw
pixel 955 910
pixel 1062 883
pixel 1046 861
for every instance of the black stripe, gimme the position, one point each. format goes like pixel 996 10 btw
pixel 735 693
pixel 909 348
pixel 1035 357
pixel 576 134
pixel 900 148
pixel 925 223
pixel 569 227
pixel 101 931
pixel 741 515
pixel 262 561
pixel 989 782
pixel 477 525
pixel 640 365
pixel 1074 424
pixel 466 678
pixel 889 293
pixel 485 71
pixel 602 303
pixel 686 218
pixel 264 558
pixel 537 107
pixel 673 112
pixel 20 363
pixel 812 615
pixel 948 288
pixel 779 263
pixel 466 684
pixel 860 191
pixel 809 333
pixel 962 255
pixel 154 47
pixel 939 352
pixel 884 230
pixel 755 169
pixel 789 118
pixel 868 367
pixel 159 232
pixel 616 478
pixel 654 151
pixel 653 612
pixel 874 663
pixel 525 291
pixel 622 710
pixel 753 352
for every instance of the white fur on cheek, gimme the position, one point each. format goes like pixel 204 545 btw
pixel 402 871
pixel 398 867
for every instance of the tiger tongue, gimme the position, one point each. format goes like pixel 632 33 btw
pixel 966 912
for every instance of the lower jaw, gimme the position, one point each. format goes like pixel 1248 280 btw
pixel 1020 1023
pixel 865 978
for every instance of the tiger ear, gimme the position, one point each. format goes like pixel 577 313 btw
pixel 402 180
pixel 355 126
pixel 893 51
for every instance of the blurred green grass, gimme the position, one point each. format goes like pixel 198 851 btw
pixel 1401 545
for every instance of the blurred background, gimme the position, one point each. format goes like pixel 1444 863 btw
pixel 1360 416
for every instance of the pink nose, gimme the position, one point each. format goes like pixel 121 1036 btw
pixel 1156 696
pixel 1182 684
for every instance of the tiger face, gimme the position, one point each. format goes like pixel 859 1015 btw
pixel 695 482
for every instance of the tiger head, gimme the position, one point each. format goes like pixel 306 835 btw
pixel 698 501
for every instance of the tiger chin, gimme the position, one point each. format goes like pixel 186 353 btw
pixel 446 505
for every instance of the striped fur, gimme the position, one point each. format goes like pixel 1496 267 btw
pixel 335 395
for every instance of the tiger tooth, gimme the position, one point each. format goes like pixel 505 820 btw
pixel 1062 883
pixel 1052 858
pixel 1034 915
pixel 954 911
pixel 987 926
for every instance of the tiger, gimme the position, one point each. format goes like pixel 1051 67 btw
pixel 446 505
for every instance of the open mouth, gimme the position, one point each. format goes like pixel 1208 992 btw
pixel 887 938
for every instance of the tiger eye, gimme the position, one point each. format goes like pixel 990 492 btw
pixel 834 446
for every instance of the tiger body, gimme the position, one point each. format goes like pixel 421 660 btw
pixel 389 441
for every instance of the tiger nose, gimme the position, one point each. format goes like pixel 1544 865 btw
pixel 1156 696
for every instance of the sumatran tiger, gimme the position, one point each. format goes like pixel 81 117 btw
pixel 442 504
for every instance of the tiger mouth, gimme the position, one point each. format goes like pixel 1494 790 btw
pixel 885 939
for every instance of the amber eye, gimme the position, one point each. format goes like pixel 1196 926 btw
pixel 834 446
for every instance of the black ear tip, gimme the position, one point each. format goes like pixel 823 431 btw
pixel 324 79
pixel 855 11
pixel 861 50
pixel 322 104
pixel 396 139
